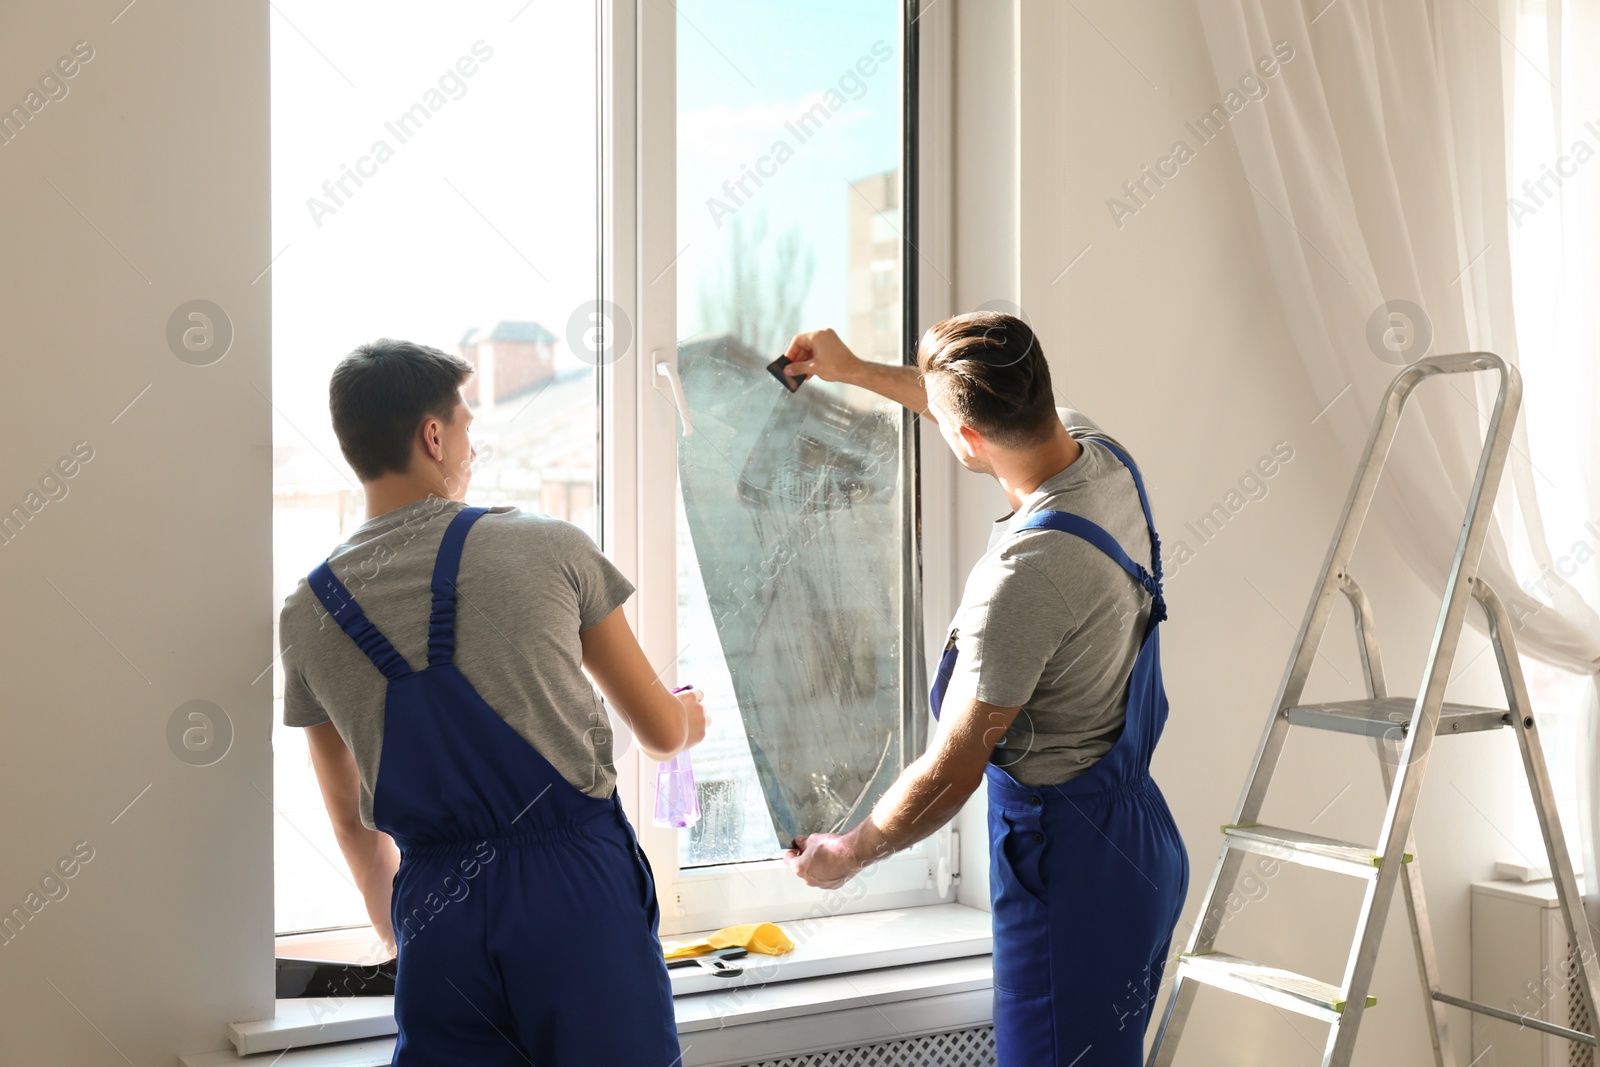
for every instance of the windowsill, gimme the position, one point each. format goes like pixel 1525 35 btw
pixel 839 963
pixel 844 944
pixel 757 1024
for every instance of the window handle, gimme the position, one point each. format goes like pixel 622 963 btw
pixel 674 386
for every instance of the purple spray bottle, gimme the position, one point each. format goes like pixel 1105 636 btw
pixel 677 802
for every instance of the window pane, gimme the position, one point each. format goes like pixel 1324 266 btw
pixel 793 533
pixel 424 187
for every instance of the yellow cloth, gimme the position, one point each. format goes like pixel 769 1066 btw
pixel 763 938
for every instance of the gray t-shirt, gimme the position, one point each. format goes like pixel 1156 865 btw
pixel 1052 625
pixel 528 585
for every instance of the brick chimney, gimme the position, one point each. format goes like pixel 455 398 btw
pixel 509 357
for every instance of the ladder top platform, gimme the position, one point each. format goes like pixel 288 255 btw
pixel 1390 717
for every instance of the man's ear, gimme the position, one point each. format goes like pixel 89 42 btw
pixel 432 436
pixel 972 438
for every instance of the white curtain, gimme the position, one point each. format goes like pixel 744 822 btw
pixel 1383 159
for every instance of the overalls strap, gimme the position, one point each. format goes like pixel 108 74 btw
pixel 343 609
pixel 1080 527
pixel 442 623
pixel 1144 502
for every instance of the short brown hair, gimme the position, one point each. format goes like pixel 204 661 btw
pixel 991 374
pixel 379 394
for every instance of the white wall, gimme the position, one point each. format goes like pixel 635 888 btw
pixel 147 586
pixel 1167 331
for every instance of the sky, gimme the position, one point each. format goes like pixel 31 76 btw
pixel 745 71
pixel 488 210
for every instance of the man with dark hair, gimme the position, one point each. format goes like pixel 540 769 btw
pixel 488 841
pixel 378 394
pixel 1050 689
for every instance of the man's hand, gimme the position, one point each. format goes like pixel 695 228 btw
pixel 821 353
pixel 694 716
pixel 927 795
pixel 376 884
pixel 826 861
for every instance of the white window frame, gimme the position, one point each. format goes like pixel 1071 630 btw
pixel 640 429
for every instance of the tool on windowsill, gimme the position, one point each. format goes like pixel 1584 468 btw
pixel 326 978
pixel 720 969
pixel 775 368
pixel 715 962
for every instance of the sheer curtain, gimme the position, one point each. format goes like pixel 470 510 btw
pixel 1553 108
pixel 1383 163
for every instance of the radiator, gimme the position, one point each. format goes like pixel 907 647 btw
pixel 959 1048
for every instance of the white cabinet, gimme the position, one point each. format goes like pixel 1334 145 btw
pixel 1521 961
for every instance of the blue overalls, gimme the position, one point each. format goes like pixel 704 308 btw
pixel 524 910
pixel 1086 878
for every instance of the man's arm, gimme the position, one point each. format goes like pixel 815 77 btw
pixel 663 723
pixel 821 353
pixel 371 854
pixel 925 797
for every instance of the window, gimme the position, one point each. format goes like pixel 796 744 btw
pixel 423 188
pixel 774 547
pixel 886 225
pixel 795 602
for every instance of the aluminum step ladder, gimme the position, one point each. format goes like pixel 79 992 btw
pixel 1404 728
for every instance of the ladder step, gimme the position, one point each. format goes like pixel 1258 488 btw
pixel 1391 717
pixel 1308 850
pixel 1270 985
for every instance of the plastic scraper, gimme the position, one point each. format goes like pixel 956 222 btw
pixel 775 368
